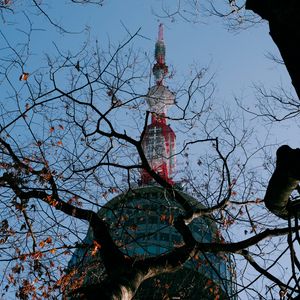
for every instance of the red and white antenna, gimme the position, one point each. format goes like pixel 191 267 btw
pixel 159 138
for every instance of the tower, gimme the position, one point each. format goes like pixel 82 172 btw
pixel 141 220
pixel 159 138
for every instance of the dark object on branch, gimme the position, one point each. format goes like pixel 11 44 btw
pixel 284 22
pixel 283 182
pixel 114 100
pixel 77 66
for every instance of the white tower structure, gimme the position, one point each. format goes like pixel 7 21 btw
pixel 159 138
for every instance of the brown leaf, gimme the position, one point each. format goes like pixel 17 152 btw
pixel 96 247
pixel 48 240
pixel 24 76
pixel 53 250
pixel 42 244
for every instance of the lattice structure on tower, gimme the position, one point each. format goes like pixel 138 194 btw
pixel 159 139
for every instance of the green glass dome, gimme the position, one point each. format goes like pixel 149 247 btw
pixel 140 223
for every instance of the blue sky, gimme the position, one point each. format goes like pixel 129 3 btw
pixel 238 58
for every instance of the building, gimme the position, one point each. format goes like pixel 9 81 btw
pixel 140 220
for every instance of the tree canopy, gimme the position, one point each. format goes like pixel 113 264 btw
pixel 71 140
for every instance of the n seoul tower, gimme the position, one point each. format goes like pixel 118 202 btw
pixel 159 138
pixel 139 219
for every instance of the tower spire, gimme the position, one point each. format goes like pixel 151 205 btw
pixel 160 69
pixel 160 32
pixel 159 138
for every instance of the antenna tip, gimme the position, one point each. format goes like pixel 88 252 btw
pixel 161 32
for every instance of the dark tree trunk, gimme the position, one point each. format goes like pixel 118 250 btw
pixel 284 23
pixel 283 182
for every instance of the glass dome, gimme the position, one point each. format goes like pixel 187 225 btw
pixel 140 223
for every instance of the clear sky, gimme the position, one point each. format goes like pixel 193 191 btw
pixel 237 58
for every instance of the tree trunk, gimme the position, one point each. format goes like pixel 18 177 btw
pixel 284 23
pixel 283 182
